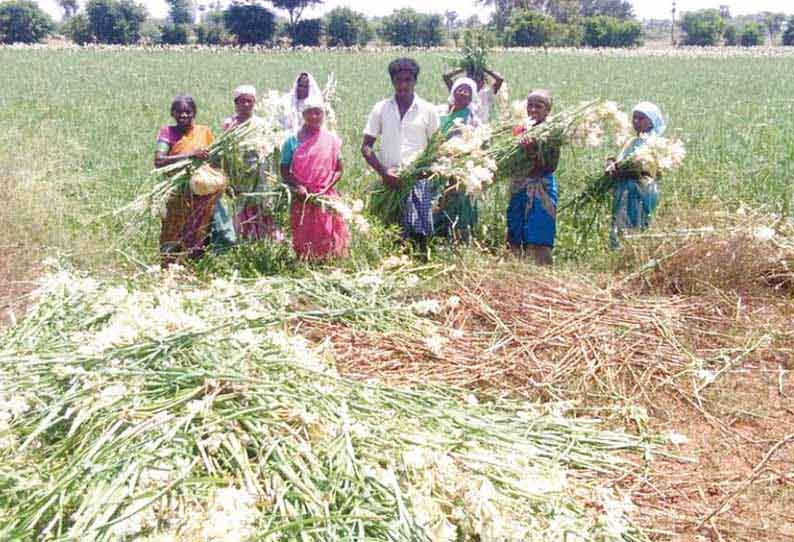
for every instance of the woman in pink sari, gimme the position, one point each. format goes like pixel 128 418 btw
pixel 311 164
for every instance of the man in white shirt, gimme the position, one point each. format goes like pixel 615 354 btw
pixel 487 93
pixel 404 123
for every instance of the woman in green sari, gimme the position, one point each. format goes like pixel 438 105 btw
pixel 636 192
pixel 457 212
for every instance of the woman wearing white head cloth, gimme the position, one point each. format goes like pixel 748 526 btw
pixel 244 101
pixel 304 87
pixel 636 193
pixel 486 92
pixel 311 164
pixel 457 213
pixel 463 102
pixel 252 220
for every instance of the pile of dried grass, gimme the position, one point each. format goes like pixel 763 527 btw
pixel 540 336
pixel 745 253
pixel 667 328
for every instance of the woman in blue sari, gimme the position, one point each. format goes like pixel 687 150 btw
pixel 532 211
pixel 636 193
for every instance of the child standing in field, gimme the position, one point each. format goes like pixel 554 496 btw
pixel 636 194
pixel 252 220
pixel 311 164
pixel 186 223
pixel 532 211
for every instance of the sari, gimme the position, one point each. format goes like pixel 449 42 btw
pixel 185 227
pixel 457 212
pixel 532 211
pixel 635 198
pixel 316 233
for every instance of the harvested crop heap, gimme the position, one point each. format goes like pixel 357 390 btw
pixel 539 336
pixel 748 252
pixel 163 409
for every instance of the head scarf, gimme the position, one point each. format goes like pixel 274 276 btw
pixel 313 101
pixel 653 112
pixel 314 89
pixel 541 94
pixel 475 96
pixel 245 90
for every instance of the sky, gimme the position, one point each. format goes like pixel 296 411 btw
pixel 644 9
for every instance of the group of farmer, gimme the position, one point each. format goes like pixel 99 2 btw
pixel 403 124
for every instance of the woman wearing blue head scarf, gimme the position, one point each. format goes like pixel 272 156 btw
pixel 636 192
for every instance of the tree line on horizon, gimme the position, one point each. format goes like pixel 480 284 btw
pixel 514 23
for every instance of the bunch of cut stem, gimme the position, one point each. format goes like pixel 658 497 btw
pixel 512 157
pixel 176 176
pixel 505 148
pixel 589 205
pixel 386 202
pixel 146 440
pixel 456 163
pixel 473 59
pixel 351 212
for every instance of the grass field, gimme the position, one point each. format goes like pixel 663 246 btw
pixel 80 125
pixel 683 333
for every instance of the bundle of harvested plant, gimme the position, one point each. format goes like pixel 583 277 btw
pixel 351 212
pixel 212 423
pixel 585 125
pixel 473 59
pixel 647 158
pixel 176 176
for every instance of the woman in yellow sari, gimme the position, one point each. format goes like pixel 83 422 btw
pixel 185 227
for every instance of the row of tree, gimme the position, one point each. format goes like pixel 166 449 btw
pixel 252 24
pixel 595 23
pixel 598 23
pixel 711 27
pixel 531 28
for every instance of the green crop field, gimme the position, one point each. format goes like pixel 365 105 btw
pixel 636 395
pixel 80 125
